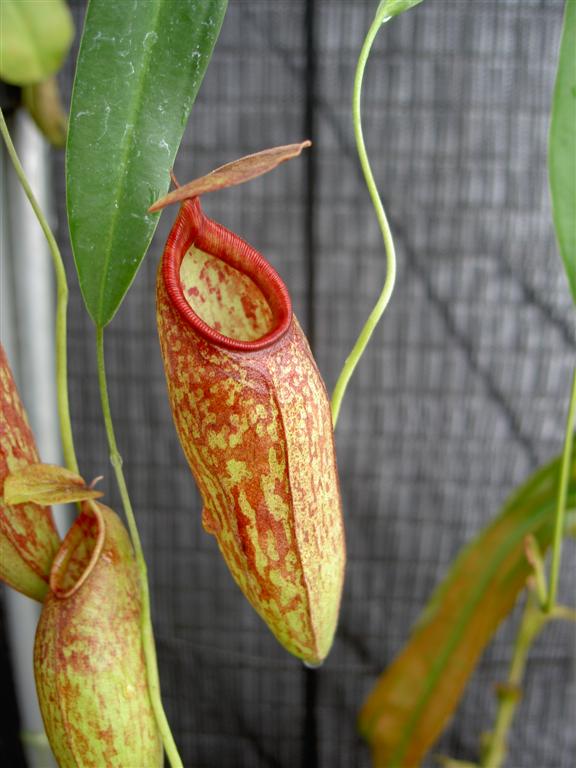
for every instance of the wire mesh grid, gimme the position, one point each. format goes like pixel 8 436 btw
pixel 462 393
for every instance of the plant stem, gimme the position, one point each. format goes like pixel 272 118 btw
pixel 535 614
pixel 536 560
pixel 533 621
pixel 384 298
pixel 146 620
pixel 61 307
pixel 562 494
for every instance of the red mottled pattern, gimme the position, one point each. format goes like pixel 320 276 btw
pixel 88 656
pixel 28 537
pixel 257 432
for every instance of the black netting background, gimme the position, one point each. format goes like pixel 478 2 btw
pixel 462 393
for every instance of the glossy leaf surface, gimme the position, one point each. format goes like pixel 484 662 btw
pixel 562 147
pixel 139 69
pixel 34 38
pixel 412 701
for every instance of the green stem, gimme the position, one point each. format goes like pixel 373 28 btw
pixel 563 612
pixel 146 621
pixel 562 495
pixel 533 621
pixel 61 307
pixel 384 298
pixel 536 560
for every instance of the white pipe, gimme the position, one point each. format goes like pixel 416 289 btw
pixel 28 321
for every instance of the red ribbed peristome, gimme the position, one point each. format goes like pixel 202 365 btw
pixel 192 227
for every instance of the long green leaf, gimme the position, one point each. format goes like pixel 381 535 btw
pixel 139 69
pixel 34 39
pixel 412 701
pixel 562 147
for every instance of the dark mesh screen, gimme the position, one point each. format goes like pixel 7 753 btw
pixel 462 393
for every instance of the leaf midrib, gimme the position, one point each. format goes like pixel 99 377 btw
pixel 125 151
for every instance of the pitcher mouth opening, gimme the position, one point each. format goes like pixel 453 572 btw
pixel 79 552
pixel 254 317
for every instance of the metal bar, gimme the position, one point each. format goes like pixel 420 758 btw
pixel 310 751
pixel 28 321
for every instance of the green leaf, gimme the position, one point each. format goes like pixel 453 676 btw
pixel 391 8
pixel 562 147
pixel 412 701
pixel 139 69
pixel 34 39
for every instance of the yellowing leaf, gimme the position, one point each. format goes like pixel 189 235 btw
pixel 46 484
pixel 414 698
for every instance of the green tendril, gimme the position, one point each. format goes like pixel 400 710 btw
pixel 561 502
pixel 146 620
pixel 382 302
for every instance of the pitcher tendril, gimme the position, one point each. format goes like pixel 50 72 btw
pixel 382 302
pixel 147 631
pixel 562 496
